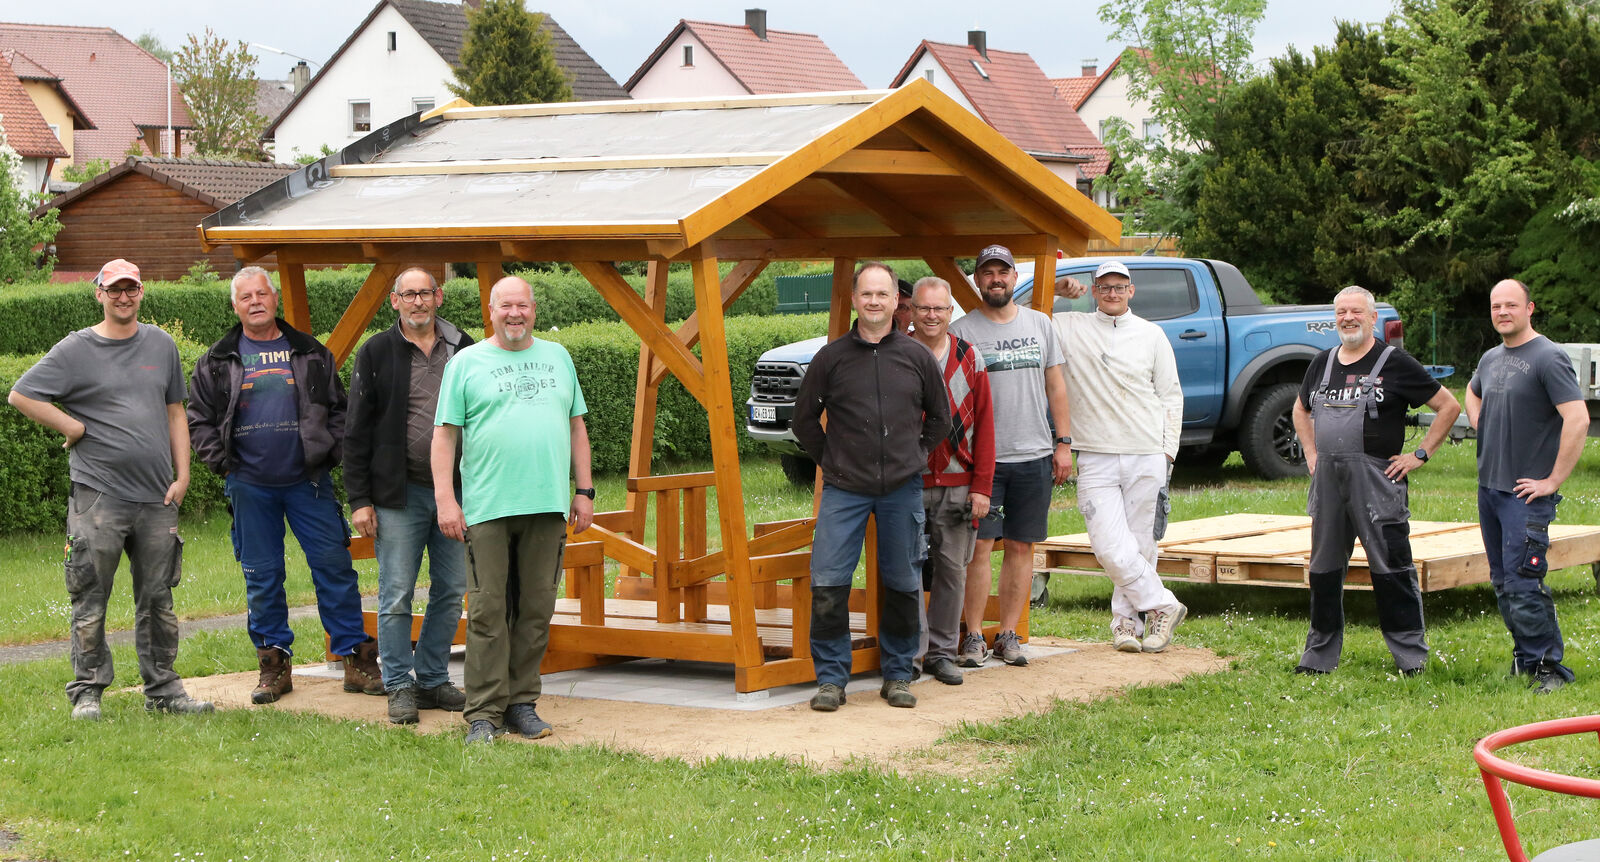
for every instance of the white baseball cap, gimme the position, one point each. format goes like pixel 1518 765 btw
pixel 1112 267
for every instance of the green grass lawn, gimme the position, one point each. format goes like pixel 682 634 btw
pixel 1252 762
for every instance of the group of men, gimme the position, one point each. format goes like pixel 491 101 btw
pixel 432 419
pixel 952 436
pixel 1524 401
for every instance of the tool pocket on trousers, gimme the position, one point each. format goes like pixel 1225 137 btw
pixel 80 571
pixel 920 520
pixel 175 568
pixel 1534 564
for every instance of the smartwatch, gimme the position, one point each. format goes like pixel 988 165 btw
pixel 1066 440
pixel 584 492
pixel 1421 454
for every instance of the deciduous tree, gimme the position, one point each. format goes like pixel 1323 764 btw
pixel 20 233
pixel 219 86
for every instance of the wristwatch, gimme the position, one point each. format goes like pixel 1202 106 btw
pixel 584 492
pixel 1421 454
pixel 1066 440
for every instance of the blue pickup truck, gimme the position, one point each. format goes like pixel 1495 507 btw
pixel 1240 361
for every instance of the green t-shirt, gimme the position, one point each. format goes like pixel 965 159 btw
pixel 515 409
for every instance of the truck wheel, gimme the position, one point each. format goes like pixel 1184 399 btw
pixel 1266 436
pixel 799 469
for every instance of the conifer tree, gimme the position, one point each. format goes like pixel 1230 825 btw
pixel 508 58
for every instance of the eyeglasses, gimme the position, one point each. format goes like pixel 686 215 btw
pixel 414 295
pixel 115 292
pixel 924 309
pixel 1114 289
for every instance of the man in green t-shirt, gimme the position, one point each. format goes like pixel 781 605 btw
pixel 513 404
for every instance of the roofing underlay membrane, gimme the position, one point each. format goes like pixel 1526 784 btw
pixel 637 194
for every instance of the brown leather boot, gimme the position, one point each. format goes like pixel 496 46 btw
pixel 361 671
pixel 276 680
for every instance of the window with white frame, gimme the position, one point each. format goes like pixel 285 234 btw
pixel 688 55
pixel 360 117
pixel 422 104
pixel 1153 130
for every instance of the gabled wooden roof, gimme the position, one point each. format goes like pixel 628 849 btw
pixel 901 173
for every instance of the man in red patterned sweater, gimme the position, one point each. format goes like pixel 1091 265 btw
pixel 959 478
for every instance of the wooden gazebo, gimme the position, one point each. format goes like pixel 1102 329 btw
pixel 851 176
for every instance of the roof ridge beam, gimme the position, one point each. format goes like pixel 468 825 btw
pixel 843 97
pixel 580 163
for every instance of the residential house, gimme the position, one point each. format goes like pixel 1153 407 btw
pixel 1008 90
pixel 50 97
pixel 700 58
pixel 146 210
pixel 398 62
pixel 1098 97
pixel 125 89
pixel 27 132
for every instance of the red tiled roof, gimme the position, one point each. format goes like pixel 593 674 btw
pixel 25 128
pixel 214 182
pixel 121 86
pixel 784 62
pixel 1017 100
pixel 1073 90
pixel 26 68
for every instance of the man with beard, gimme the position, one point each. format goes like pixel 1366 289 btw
pixel 1351 420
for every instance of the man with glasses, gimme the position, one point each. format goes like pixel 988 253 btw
pixel 266 412
pixel 394 393
pixel 958 479
pixel 115 392
pixel 1127 415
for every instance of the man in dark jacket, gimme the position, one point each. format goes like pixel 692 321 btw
pixel 886 406
pixel 394 392
pixel 266 411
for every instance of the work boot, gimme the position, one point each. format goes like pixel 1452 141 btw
pixel 276 678
pixel 1547 680
pixel 898 693
pixel 403 705
pixel 87 707
pixel 361 673
pixel 443 696
pixel 827 698
pixel 178 704
pixel 524 719
pixel 482 730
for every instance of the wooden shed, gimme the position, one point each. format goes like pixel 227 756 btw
pixel 145 210
pixel 851 176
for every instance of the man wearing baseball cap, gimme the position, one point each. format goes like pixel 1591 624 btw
pixel 115 392
pixel 1023 361
pixel 1127 416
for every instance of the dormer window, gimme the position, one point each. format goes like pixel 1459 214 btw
pixel 979 67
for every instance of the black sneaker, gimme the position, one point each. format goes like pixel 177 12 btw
pixel 828 698
pixel 945 671
pixel 483 730
pixel 524 719
pixel 443 696
pixel 178 704
pixel 403 705
pixel 1546 680
pixel 1309 671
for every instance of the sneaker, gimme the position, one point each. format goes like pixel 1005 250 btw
pixel 276 680
pixel 1302 670
pixel 361 673
pixel 1547 680
pixel 945 671
pixel 443 696
pixel 403 705
pixel 974 652
pixel 1008 646
pixel 1124 637
pixel 898 693
pixel 1159 626
pixel 87 707
pixel 483 730
pixel 178 704
pixel 524 719
pixel 828 698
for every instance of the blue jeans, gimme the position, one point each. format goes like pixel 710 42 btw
pixel 402 536
pixel 318 523
pixel 1516 535
pixel 835 551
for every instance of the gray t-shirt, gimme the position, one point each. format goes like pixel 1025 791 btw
pixel 1519 428
pixel 1016 355
pixel 119 389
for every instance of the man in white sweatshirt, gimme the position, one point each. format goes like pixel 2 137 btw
pixel 1127 413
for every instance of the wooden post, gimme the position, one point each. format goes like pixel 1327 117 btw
pixel 489 272
pixel 296 307
pixel 1044 278
pixel 646 390
pixel 723 419
pixel 839 310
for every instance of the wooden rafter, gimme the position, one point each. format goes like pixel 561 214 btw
pixel 362 307
pixel 588 163
pixel 733 286
pixel 631 308
pixel 891 212
pixel 912 162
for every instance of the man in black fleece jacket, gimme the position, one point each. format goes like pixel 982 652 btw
pixel 886 407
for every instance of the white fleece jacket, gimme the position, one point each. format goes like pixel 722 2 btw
pixel 1122 384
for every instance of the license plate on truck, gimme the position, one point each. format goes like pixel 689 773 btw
pixel 760 413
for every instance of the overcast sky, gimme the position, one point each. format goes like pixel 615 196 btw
pixel 874 38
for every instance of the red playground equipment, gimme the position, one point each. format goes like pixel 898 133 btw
pixel 1497 770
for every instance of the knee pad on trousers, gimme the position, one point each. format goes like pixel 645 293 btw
pixel 1530 613
pixel 830 612
pixel 899 618
pixel 1327 600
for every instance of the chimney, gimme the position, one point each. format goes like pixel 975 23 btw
pixel 979 40
pixel 1091 67
pixel 299 76
pixel 756 20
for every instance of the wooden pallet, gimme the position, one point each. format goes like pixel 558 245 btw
pixel 1275 551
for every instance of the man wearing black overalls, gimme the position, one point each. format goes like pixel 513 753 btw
pixel 1351 420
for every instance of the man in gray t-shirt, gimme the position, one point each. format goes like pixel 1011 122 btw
pixel 1024 364
pixel 1525 402
pixel 115 391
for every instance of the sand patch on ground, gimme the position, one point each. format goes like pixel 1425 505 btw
pixel 865 731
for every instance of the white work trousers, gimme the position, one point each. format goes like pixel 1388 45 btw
pixel 1117 496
